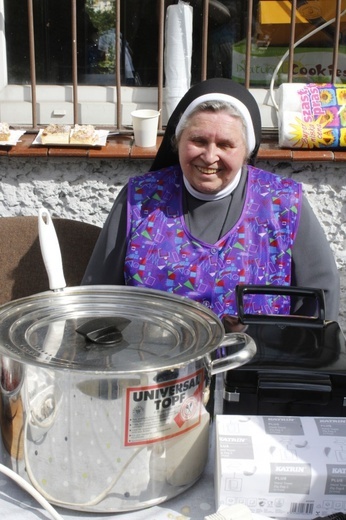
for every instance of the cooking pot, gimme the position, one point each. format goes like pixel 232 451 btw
pixel 104 392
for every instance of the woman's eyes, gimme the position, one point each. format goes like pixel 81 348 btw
pixel 225 145
pixel 199 141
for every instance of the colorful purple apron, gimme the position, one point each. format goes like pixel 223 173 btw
pixel 162 254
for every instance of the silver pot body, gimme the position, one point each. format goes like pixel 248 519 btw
pixel 112 421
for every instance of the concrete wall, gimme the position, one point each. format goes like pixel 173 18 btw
pixel 85 190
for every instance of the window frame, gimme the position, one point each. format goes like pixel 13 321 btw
pixel 55 103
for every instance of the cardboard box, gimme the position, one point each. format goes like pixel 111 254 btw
pixel 274 18
pixel 310 64
pixel 282 467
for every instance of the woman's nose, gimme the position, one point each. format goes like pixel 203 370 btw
pixel 210 154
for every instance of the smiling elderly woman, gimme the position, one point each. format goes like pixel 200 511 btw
pixel 204 219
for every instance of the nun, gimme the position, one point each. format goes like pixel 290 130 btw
pixel 205 219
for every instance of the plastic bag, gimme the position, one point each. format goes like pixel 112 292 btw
pixel 312 115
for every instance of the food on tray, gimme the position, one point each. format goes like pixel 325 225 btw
pixel 83 134
pixel 56 134
pixel 65 135
pixel 4 132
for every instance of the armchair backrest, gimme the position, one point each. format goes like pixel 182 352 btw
pixel 22 271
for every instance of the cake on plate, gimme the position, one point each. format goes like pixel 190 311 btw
pixel 56 134
pixel 5 133
pixel 83 134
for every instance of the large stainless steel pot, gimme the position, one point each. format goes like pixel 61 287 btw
pixel 104 391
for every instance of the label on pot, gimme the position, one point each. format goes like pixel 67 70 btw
pixel 162 411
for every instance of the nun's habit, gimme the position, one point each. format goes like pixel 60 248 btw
pixel 166 156
pixel 313 264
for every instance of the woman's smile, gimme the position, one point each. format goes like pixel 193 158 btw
pixel 207 171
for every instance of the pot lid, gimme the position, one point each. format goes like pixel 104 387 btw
pixel 108 329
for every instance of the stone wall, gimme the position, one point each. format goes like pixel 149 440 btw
pixel 85 190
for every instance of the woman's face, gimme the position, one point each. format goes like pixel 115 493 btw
pixel 212 150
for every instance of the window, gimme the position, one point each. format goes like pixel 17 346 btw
pixel 94 61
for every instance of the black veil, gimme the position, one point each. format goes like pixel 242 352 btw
pixel 167 156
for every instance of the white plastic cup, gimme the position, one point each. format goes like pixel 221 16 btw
pixel 145 124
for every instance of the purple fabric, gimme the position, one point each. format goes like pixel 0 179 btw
pixel 162 254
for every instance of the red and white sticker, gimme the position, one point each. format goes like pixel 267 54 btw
pixel 162 411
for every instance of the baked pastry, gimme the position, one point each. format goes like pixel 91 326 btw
pixel 56 134
pixel 4 132
pixel 83 134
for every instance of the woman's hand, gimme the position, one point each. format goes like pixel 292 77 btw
pixel 232 324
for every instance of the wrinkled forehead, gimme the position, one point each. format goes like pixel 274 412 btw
pixel 230 100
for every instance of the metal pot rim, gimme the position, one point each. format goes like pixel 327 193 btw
pixel 41 329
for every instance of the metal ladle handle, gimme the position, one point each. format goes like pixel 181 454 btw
pixel 50 250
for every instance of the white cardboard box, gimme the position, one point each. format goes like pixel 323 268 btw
pixel 283 467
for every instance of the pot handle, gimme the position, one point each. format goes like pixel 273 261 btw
pixel 236 359
pixel 50 250
pixel 316 296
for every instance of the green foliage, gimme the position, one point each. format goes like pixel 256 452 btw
pixel 102 20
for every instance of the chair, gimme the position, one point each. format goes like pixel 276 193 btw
pixel 22 271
